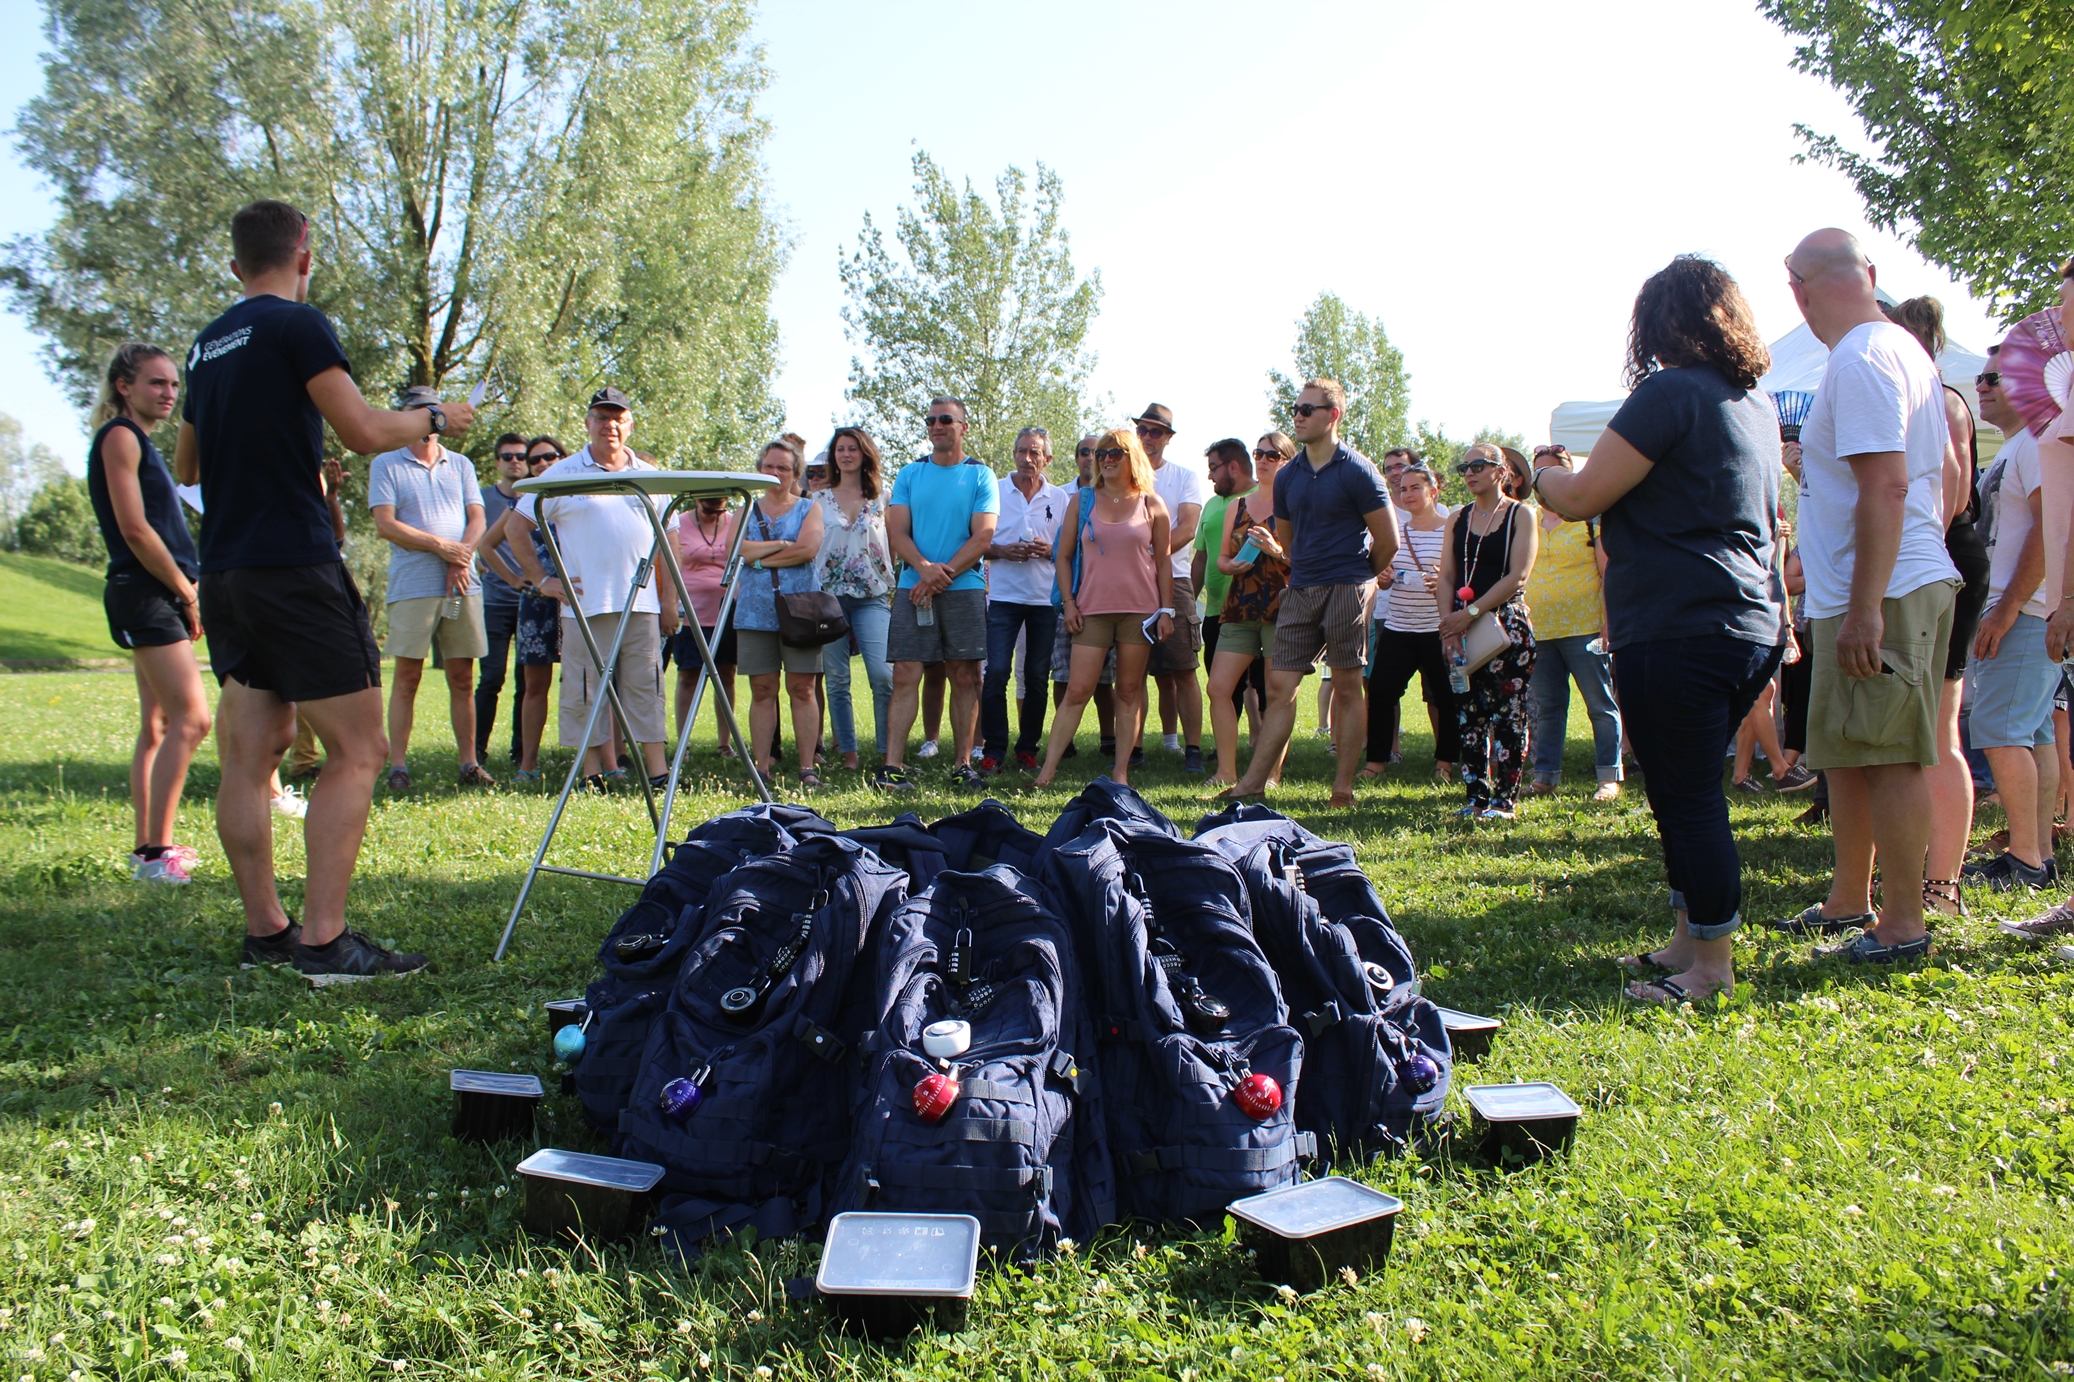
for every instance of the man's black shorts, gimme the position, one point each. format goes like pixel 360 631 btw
pixel 300 632
pixel 141 612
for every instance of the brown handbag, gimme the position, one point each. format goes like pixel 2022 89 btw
pixel 810 618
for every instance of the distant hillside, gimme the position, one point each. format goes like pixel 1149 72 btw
pixel 51 610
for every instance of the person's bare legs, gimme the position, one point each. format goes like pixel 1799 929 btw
pixel 1349 732
pixel 1850 826
pixel 354 750
pixel 173 719
pixel 253 730
pixel 2061 742
pixel 1083 676
pixel 687 678
pixel 1705 967
pixel 403 705
pixel 533 715
pixel 1277 723
pixel 799 689
pixel 1951 796
pixel 724 684
pixel 460 690
pixel 1105 708
pixel 965 687
pixel 1227 670
pixel 1130 703
pixel 900 711
pixel 2017 780
pixel 763 718
pixel 932 701
pixel 1190 697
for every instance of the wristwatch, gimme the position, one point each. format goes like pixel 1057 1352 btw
pixel 1474 612
pixel 438 418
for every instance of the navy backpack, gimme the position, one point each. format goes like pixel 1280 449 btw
pixel 745 1089
pixel 1377 1053
pixel 645 948
pixel 1198 1062
pixel 1018 1140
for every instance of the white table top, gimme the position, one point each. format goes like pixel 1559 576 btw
pixel 687 484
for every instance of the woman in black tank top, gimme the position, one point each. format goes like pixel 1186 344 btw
pixel 1485 563
pixel 150 596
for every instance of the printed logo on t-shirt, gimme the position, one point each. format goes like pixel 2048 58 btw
pixel 222 345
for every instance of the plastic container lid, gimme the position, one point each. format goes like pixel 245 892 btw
pixel 943 1040
pixel 581 1168
pixel 870 1254
pixel 1519 1103
pixel 496 1082
pixel 1456 1021
pixel 1315 1207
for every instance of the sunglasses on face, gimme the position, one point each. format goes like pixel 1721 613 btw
pixel 544 458
pixel 515 457
pixel 1306 409
pixel 1145 431
pixel 1989 379
pixel 1472 467
pixel 939 419
pixel 1266 453
pixel 1083 451
pixel 1110 453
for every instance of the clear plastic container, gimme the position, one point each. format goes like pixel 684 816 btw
pixel 890 1272
pixel 1303 1235
pixel 575 1194
pixel 1469 1035
pixel 491 1105
pixel 1532 1120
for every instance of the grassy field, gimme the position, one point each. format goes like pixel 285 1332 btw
pixel 53 610
pixel 209 1173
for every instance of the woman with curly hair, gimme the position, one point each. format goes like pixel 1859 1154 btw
pixel 1686 478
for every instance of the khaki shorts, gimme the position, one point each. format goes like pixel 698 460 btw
pixel 1332 619
pixel 639 679
pixel 1890 717
pixel 760 654
pixel 1254 638
pixel 413 624
pixel 1111 631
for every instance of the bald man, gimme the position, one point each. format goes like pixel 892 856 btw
pixel 1880 589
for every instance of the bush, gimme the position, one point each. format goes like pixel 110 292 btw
pixel 59 522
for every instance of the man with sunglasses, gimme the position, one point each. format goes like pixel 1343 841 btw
pixel 1334 517
pixel 1231 477
pixel 500 599
pixel 1174 658
pixel 940 523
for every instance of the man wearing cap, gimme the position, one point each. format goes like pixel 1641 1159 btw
pixel 428 508
pixel 1173 661
pixel 1334 518
pixel 288 630
pixel 603 539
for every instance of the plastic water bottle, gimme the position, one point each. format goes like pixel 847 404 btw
pixel 451 609
pixel 925 613
pixel 1457 678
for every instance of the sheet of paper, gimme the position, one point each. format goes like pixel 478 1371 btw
pixel 475 395
pixel 190 495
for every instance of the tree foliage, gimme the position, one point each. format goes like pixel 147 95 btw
pixel 981 303
pixel 1970 108
pixel 59 522
pixel 24 470
pixel 555 193
pixel 1335 342
pixel 1441 451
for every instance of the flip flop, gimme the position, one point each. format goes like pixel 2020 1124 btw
pixel 1642 965
pixel 1676 993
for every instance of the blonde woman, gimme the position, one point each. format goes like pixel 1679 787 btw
pixel 1116 578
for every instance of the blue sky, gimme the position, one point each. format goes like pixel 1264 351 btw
pixel 1494 187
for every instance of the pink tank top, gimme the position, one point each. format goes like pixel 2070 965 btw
pixel 1116 565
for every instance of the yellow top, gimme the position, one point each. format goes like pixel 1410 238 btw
pixel 1563 593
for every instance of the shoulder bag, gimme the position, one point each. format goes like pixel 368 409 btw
pixel 808 619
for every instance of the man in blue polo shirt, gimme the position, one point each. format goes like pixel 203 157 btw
pixel 1333 516
pixel 940 523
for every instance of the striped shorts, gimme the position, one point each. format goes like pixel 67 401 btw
pixel 1328 618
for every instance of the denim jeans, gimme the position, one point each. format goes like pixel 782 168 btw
pixel 1682 699
pixel 869 620
pixel 1004 622
pixel 1560 660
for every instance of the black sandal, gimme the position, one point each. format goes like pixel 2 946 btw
pixel 1934 899
pixel 1641 965
pixel 1676 994
pixel 809 778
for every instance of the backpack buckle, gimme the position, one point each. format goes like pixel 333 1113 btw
pixel 822 1042
pixel 1325 1019
pixel 1066 1070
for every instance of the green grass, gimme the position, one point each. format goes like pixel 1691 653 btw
pixel 211 1173
pixel 53 610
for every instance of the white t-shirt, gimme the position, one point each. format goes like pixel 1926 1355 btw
pixel 1880 392
pixel 603 537
pixel 1176 485
pixel 2020 480
pixel 1026 582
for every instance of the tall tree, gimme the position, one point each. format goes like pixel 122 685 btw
pixel 25 468
pixel 552 193
pixel 1970 108
pixel 982 303
pixel 1335 342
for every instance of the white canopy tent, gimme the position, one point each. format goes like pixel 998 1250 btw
pixel 1797 363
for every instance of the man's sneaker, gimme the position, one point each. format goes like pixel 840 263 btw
pixel 1026 759
pixel 2055 923
pixel 474 776
pixel 1170 742
pixel 167 868
pixel 891 779
pixel 269 951
pixel 349 959
pixel 1108 749
pixel 2005 872
pixel 928 749
pixel 291 804
pixel 1192 759
pixel 1749 784
pixel 1797 779
pixel 399 780
pixel 1809 921
pixel 965 775
pixel 1138 756
pixel 986 766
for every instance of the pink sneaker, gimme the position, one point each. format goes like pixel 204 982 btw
pixel 167 868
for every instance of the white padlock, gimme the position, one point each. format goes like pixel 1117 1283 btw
pixel 943 1040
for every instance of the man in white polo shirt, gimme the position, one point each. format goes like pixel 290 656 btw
pixel 1020 581
pixel 603 539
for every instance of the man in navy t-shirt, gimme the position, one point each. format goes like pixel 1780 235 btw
pixel 288 630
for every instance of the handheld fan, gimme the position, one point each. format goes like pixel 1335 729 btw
pixel 1793 405
pixel 2037 369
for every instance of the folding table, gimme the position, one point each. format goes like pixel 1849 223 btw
pixel 683 488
